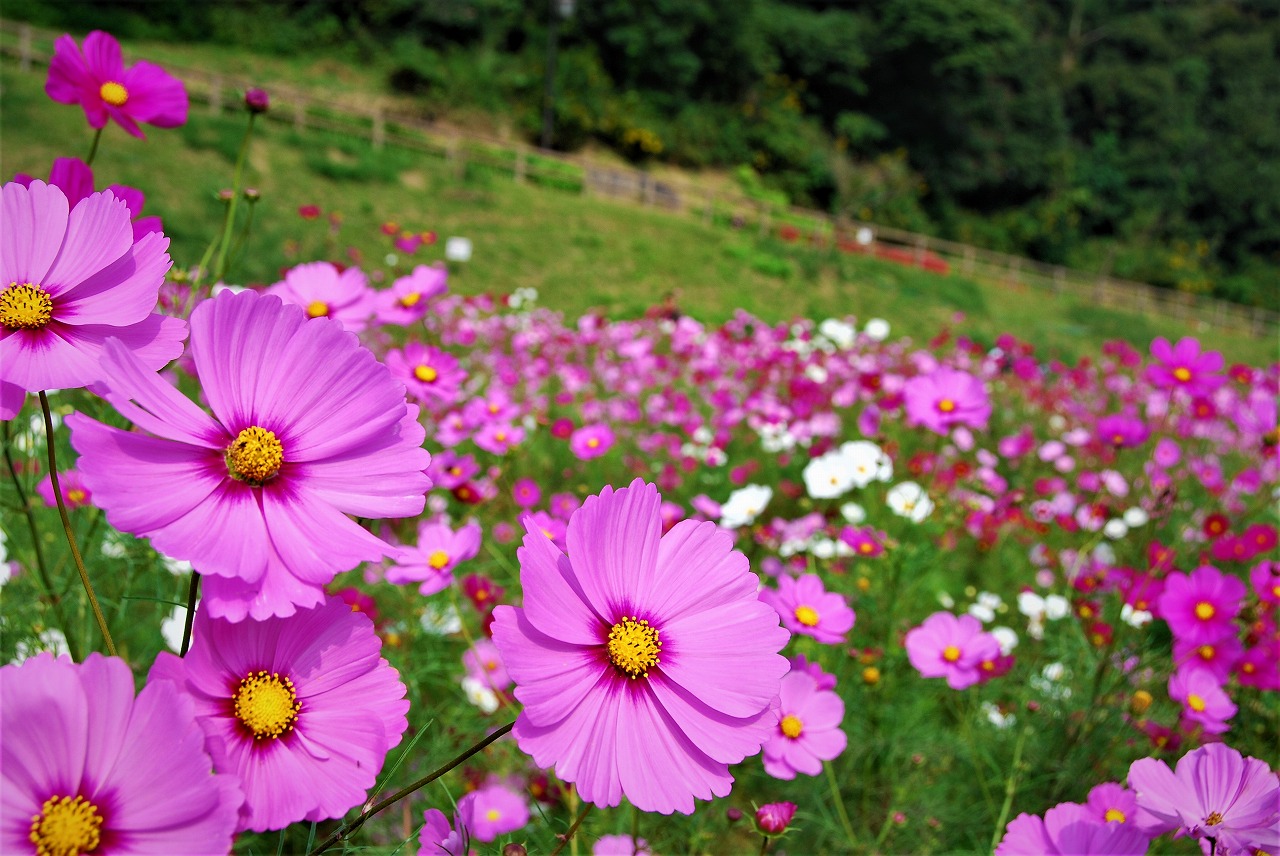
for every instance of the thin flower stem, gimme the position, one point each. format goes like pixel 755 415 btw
pixel 42 570
pixel 93 148
pixel 192 593
pixel 345 830
pixel 764 844
pixel 839 801
pixel 1010 787
pixel 568 836
pixel 220 267
pixel 66 526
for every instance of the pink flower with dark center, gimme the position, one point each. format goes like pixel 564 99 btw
pixel 71 278
pixel 1204 701
pixel 409 297
pixel 307 428
pixel 439 550
pixel 1201 607
pixel 430 375
pixel 867 543
pixel 945 646
pixel 1122 430
pixel 324 292
pixel 645 662
pixel 1212 793
pixel 98 81
pixel 1218 658
pixel 591 441
pixel 1183 367
pixel 526 493
pixel 85 767
pixel 807 608
pixel 302 709
pixel 808 732
pixel 945 398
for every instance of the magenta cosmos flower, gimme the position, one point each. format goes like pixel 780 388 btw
pixel 1183 367
pixel 591 441
pixel 945 398
pixel 1201 607
pixel 98 81
pixel 74 178
pixel 438 552
pixel 88 768
pixel 1214 793
pixel 303 709
pixel 492 811
pixel 1070 829
pixel 325 292
pixel 409 297
pixel 430 375
pixel 436 838
pixel 307 427
pixel 808 732
pixel 70 278
pixel 945 646
pixel 645 662
pixel 807 608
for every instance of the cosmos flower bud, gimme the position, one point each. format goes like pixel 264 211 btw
pixel 1139 702
pixel 256 100
pixel 773 818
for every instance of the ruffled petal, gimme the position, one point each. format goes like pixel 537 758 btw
pixel 613 539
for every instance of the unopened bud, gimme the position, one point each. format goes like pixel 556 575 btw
pixel 773 818
pixel 871 676
pixel 256 100
pixel 514 849
pixel 733 814
pixel 226 194
pixel 252 194
pixel 1139 702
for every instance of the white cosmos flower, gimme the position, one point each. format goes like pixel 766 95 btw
pixel 908 499
pixel 853 513
pixel 877 329
pixel 1007 638
pixel 1135 517
pixel 868 462
pixel 840 333
pixel 744 505
pixel 480 695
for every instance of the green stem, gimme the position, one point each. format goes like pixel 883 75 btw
pixel 192 593
pixel 839 801
pixel 343 831
pixel 220 267
pixel 66 526
pixel 42 570
pixel 93 148
pixel 1010 787
pixel 568 836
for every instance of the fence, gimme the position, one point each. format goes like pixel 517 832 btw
pixel 384 124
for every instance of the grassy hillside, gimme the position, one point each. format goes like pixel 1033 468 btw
pixel 580 253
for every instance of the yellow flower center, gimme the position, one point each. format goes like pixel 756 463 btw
pixel 426 374
pixel 634 645
pixel 865 547
pixel 492 814
pixel 592 443
pixel 1205 611
pixel 792 726
pixel 113 93
pixel 75 495
pixel 255 456
pixel 1213 819
pixel 1206 652
pixel 317 309
pixel 1182 373
pixel 1114 814
pixel 66 826
pixel 438 559
pixel 1195 702
pixel 807 615
pixel 410 299
pixel 951 653
pixel 1248 668
pixel 946 405
pixel 267 704
pixel 871 676
pixel 1275 590
pixel 25 307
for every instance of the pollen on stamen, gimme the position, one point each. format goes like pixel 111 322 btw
pixel 25 306
pixel 426 374
pixel 946 405
pixel 255 457
pixel 317 309
pixel 633 647
pixel 66 826
pixel 113 93
pixel 411 299
pixel 267 704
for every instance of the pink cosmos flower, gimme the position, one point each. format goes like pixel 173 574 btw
pixel 1201 607
pixel 1183 367
pixel 1218 658
pixel 807 608
pixel 483 663
pixel 70 278
pixel 1069 829
pixel 430 375
pixel 74 492
pixel 867 543
pixel 499 437
pixel 409 297
pixel 437 839
pixel 303 709
pixel 526 493
pixel 74 178
pixel 1265 579
pixel 492 811
pixel 774 818
pixel 85 767
pixel 98 81
pixel 945 398
pixel 1212 793
pixel 307 427
pixel 591 441
pixel 620 845
pixel 645 662
pixel 1204 701
pixel 1122 430
pixel 808 732
pixel 951 647
pixel 1110 802
pixel 324 292
pixel 439 550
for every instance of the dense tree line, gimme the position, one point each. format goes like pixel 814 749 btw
pixel 1141 138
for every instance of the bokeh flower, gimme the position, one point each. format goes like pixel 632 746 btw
pixel 492 811
pixel 807 608
pixel 302 709
pixel 945 398
pixel 325 292
pixel 808 731
pixel 307 428
pixel 645 662
pixel 945 646
pixel 86 767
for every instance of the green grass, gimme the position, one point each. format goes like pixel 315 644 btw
pixel 581 253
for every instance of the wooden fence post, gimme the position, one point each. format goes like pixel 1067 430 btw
pixel 24 47
pixel 970 258
pixel 215 95
pixel 1059 280
pixel 1014 270
pixel 299 115
pixel 764 219
pixel 917 253
pixel 378 134
pixel 709 212
pixel 521 166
